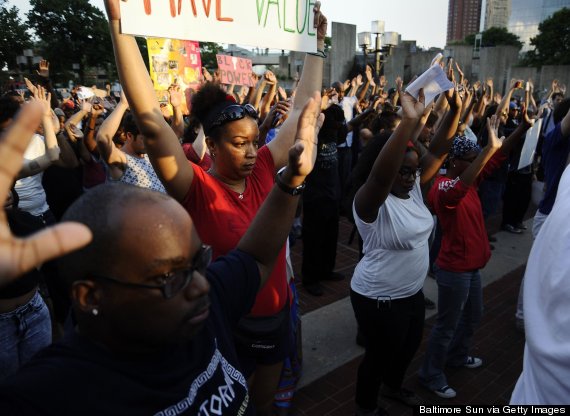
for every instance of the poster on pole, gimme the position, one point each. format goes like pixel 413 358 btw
pixel 279 24
pixel 235 70
pixel 173 62
pixel 530 142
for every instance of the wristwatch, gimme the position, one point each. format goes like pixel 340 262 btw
pixel 285 188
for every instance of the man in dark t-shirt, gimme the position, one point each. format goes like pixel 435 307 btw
pixel 151 318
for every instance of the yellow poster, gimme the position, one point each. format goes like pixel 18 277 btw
pixel 174 62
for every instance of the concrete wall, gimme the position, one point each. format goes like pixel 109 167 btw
pixel 551 72
pixel 495 63
pixel 341 56
pixel 419 62
pixel 395 64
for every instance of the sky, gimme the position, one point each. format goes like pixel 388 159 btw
pixel 422 20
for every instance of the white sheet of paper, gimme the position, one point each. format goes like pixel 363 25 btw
pixel 267 24
pixel 433 81
pixel 530 142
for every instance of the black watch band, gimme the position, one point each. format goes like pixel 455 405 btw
pixel 285 188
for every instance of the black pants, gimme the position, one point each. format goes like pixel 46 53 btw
pixel 517 197
pixel 320 236
pixel 392 333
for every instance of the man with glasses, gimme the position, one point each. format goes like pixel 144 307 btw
pixel 152 322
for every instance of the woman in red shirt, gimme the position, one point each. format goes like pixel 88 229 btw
pixel 464 250
pixel 224 199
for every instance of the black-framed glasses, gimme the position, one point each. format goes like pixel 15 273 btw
pixel 234 113
pixel 172 282
pixel 408 173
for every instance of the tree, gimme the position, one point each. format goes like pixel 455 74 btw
pixel 14 37
pixel 71 32
pixel 496 36
pixel 208 52
pixel 552 44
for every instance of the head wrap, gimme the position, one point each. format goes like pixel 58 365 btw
pixel 462 146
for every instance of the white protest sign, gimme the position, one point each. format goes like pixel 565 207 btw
pixel 433 81
pixel 530 142
pixel 279 24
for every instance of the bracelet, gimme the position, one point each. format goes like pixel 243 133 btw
pixel 286 188
pixel 320 53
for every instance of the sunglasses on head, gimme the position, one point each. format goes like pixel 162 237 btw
pixel 233 113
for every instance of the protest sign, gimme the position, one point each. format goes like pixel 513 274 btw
pixel 280 24
pixel 173 62
pixel 530 142
pixel 235 70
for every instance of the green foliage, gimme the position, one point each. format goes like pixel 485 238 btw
pixel 495 36
pixel 14 37
pixel 552 44
pixel 71 31
pixel 208 51
pixel 328 43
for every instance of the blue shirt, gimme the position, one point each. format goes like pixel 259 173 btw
pixel 555 152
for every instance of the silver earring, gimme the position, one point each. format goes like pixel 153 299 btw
pixel 95 311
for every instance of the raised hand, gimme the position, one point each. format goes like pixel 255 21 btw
pixel 86 106
pixel 493 123
pixel 43 69
pixel 175 96
pixel 270 77
pixel 454 98
pixel 303 154
pixel 359 81
pixel 33 89
pixel 282 93
pixel 19 255
pixel 43 99
pixel 412 108
pixel 529 122
pixel 461 75
pixel 206 74
pixel 383 81
pixel 368 73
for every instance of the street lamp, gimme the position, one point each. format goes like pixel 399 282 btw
pixel 377 27
pixel 364 41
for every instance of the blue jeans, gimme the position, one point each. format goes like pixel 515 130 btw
pixel 23 332
pixel 460 306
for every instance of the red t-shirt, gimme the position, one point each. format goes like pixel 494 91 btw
pixel 222 218
pixel 464 245
pixel 205 163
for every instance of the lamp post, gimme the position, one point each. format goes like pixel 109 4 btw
pixel 364 40
pixel 377 27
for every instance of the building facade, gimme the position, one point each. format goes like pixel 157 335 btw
pixel 463 19
pixel 526 15
pixel 497 13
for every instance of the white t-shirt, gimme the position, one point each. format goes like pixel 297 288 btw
pixel 396 250
pixel 347 104
pixel 30 190
pixel 545 378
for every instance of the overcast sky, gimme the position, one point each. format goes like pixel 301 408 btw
pixel 422 20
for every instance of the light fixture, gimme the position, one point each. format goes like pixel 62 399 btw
pixel 377 26
pixel 365 39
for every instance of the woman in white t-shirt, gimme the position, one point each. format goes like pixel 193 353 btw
pixel 386 289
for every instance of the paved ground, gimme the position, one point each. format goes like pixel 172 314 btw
pixel 329 381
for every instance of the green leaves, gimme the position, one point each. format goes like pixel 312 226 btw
pixel 14 36
pixel 552 44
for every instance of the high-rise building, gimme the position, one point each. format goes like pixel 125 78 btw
pixel 497 13
pixel 463 19
pixel 526 15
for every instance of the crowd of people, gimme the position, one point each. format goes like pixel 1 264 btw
pixel 138 274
